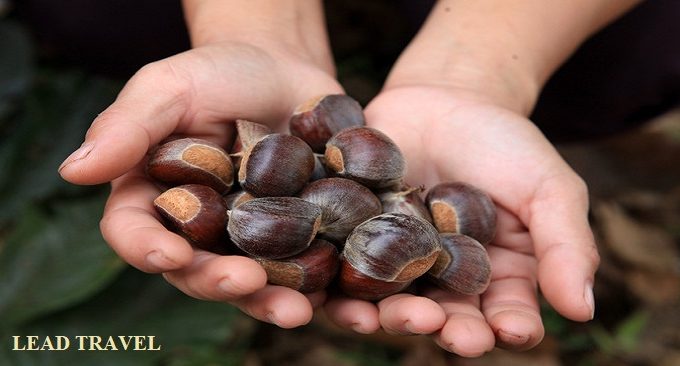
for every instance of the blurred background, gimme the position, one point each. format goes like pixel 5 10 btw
pixel 58 277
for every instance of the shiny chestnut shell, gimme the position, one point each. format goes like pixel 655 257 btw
pixel 344 205
pixel 367 156
pixel 406 200
pixel 195 211
pixel 191 161
pixel 459 207
pixel 274 227
pixel 384 254
pixel 463 265
pixel 319 118
pixel 276 165
pixel 310 271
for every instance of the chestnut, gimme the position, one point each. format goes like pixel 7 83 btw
pixel 319 118
pixel 367 156
pixel 406 200
pixel 344 205
pixel 248 133
pixel 385 253
pixel 458 207
pixel 320 170
pixel 195 211
pixel 192 161
pixel 274 227
pixel 463 265
pixel 276 165
pixel 236 198
pixel 310 271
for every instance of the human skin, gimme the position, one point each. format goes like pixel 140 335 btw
pixel 457 99
pixel 456 103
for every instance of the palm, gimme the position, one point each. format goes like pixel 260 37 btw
pixel 449 135
pixel 196 93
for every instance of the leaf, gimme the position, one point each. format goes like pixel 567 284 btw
pixel 52 261
pixel 54 118
pixel 139 304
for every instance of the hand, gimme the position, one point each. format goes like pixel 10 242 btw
pixel 543 234
pixel 198 93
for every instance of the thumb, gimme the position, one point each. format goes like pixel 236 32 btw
pixel 565 247
pixel 147 110
pixel 194 93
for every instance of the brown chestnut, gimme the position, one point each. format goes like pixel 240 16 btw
pixel 384 254
pixel 463 265
pixel 276 165
pixel 459 207
pixel 367 156
pixel 320 170
pixel 274 227
pixel 197 212
pixel 310 271
pixel 248 133
pixel 344 205
pixel 319 118
pixel 192 161
pixel 406 200
pixel 236 198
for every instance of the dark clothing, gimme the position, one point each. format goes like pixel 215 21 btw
pixel 623 76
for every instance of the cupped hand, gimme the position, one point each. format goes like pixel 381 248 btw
pixel 543 236
pixel 198 93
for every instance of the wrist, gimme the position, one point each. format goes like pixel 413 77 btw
pixel 295 26
pixel 503 52
pixel 481 75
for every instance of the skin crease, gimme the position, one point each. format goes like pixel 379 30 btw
pixel 447 128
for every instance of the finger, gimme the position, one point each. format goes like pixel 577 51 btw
pixel 405 314
pixel 358 315
pixel 465 332
pixel 511 233
pixel 510 303
pixel 243 282
pixel 218 278
pixel 132 229
pixel 148 109
pixel 564 246
pixel 277 305
pixel 187 93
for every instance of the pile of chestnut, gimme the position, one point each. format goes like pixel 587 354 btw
pixel 325 205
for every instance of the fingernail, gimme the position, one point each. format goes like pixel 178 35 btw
pixel 512 338
pixel 409 327
pixel 357 327
pixel 272 319
pixel 159 261
pixel 590 299
pixel 82 152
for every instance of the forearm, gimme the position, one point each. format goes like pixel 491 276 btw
pixel 298 25
pixel 505 50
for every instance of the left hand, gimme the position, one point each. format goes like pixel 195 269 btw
pixel 543 235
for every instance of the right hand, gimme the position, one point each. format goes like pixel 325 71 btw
pixel 197 93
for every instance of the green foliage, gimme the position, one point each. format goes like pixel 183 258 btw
pixel 49 262
pixel 136 304
pixel 624 338
pixel 57 275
